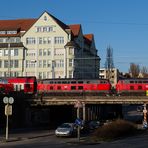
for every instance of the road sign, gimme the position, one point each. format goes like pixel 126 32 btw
pixel 8 100
pixel 11 100
pixel 8 110
pixel 78 121
pixel 5 100
pixel 78 104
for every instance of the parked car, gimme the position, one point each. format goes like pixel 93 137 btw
pixel 65 129
pixel 94 124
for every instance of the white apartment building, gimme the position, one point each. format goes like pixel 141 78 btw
pixel 112 75
pixel 46 48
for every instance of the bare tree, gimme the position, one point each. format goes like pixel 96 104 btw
pixel 144 71
pixel 134 70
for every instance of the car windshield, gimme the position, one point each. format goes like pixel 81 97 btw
pixel 65 126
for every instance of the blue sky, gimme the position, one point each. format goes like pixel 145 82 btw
pixel 121 24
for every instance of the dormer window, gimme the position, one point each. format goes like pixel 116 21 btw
pixel 45 18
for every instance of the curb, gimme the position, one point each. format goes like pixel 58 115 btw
pixel 23 138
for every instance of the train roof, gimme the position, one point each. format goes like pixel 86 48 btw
pixel 133 79
pixel 69 79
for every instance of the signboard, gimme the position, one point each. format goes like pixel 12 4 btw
pixel 78 104
pixel 8 110
pixel 9 100
pixel 78 122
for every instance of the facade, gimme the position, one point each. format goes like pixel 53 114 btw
pixel 46 48
pixel 113 76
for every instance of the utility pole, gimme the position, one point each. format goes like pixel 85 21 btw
pixel 109 65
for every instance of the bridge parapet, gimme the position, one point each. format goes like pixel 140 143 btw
pixel 70 100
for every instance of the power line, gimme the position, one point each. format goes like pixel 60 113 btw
pixel 110 23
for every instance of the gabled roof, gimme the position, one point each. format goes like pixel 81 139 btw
pixel 60 23
pixel 19 24
pixel 75 29
pixel 88 38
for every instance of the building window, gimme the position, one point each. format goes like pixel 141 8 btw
pixel 16 64
pixel 40 75
pixel 44 28
pixel 58 51
pixel 40 63
pixel 40 40
pixel 5 63
pixel 44 63
pixel 1 52
pixel 70 74
pixel 15 52
pixel 45 18
pixel 70 62
pixel 59 40
pixel 6 52
pixel 48 63
pixel 59 63
pixel 44 52
pixel 0 63
pixel 71 51
pixel 30 40
pixel 40 52
pixel 48 52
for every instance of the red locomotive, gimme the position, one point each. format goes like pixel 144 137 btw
pixel 74 86
pixel 5 87
pixel 131 86
pixel 27 85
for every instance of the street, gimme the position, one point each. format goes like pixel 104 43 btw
pixel 44 139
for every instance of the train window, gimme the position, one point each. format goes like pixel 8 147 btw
pixel 139 87
pixel 80 87
pixel 102 82
pixel 131 81
pixel 88 82
pixel 145 81
pixel 80 82
pixel 59 82
pixel 51 82
pixel 59 87
pixel 131 87
pixel 140 82
pixel 73 82
pixel 51 87
pixel 64 82
pixel 73 87
pixel 27 85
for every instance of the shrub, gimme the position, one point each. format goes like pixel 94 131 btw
pixel 115 129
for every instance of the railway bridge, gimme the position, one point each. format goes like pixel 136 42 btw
pixel 71 100
pixel 89 107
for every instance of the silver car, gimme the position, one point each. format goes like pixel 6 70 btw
pixel 65 129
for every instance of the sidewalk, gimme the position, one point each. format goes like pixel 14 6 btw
pixel 23 134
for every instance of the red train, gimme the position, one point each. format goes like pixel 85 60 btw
pixel 74 86
pixel 30 85
pixel 131 86
pixel 27 85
